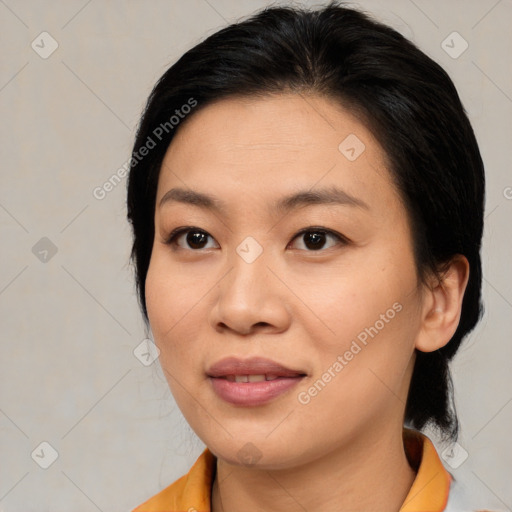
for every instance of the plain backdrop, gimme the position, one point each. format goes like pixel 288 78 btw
pixel 69 317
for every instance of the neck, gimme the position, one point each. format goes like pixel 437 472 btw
pixel 369 473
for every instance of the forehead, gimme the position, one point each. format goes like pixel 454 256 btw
pixel 282 125
pixel 273 145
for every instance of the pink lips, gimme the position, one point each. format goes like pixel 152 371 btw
pixel 225 374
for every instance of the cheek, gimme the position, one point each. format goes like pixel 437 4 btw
pixel 373 310
pixel 171 293
pixel 166 304
pixel 176 302
pixel 361 372
pixel 159 299
pixel 354 296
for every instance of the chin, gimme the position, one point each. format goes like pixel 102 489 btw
pixel 261 454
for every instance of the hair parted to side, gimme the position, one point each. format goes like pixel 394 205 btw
pixel 406 100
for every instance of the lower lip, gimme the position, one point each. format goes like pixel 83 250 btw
pixel 250 394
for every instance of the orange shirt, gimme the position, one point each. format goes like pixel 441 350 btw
pixel 429 491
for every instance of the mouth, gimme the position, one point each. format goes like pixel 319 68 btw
pixel 254 369
pixel 252 382
pixel 255 378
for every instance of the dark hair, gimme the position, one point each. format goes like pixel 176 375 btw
pixel 404 97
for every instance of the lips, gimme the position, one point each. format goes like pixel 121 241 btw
pixel 252 382
pixel 253 369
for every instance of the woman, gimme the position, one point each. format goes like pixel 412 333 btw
pixel 306 195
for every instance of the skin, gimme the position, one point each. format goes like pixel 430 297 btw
pixel 299 306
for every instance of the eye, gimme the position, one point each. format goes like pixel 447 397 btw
pixel 314 238
pixel 195 238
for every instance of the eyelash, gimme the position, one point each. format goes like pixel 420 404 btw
pixel 175 233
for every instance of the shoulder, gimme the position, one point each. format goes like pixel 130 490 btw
pixel 462 499
pixel 165 498
pixel 437 488
pixel 191 492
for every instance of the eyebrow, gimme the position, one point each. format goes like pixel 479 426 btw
pixel 332 195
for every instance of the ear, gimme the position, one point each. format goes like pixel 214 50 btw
pixel 442 305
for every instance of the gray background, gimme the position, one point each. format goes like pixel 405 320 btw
pixel 70 320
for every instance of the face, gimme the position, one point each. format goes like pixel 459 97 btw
pixel 324 284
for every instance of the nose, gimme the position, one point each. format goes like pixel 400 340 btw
pixel 251 298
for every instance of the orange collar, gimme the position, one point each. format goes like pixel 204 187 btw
pixel 429 491
pixel 431 487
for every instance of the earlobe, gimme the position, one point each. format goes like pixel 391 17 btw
pixel 442 305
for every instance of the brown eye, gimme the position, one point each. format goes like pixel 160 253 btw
pixel 189 238
pixel 314 239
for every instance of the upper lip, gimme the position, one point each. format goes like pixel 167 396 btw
pixel 251 366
